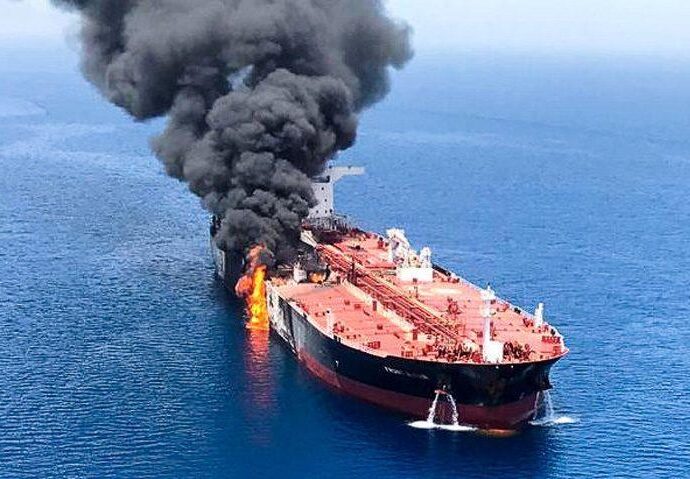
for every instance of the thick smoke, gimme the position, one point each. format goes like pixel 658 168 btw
pixel 260 94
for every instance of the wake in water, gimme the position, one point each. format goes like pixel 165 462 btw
pixel 546 415
pixel 431 418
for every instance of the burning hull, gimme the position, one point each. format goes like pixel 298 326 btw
pixel 228 266
pixel 491 397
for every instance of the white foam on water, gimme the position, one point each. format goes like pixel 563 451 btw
pixel 548 415
pixel 553 422
pixel 422 425
pixel 430 424
pixel 565 420
pixel 456 427
pixel 442 427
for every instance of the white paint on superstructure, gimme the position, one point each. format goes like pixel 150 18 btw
pixel 539 315
pixel 409 274
pixel 492 351
pixel 323 189
pixel 410 266
pixel 275 313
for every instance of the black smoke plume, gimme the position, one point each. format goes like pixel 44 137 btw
pixel 260 94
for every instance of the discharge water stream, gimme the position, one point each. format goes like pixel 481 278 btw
pixel 546 414
pixel 430 422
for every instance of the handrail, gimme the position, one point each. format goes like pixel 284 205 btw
pixel 389 295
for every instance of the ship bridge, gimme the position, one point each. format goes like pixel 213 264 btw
pixel 323 189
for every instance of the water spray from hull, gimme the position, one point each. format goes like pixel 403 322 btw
pixel 546 414
pixel 430 422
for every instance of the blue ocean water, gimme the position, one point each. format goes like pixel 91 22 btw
pixel 558 180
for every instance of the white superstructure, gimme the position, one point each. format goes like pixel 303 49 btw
pixel 410 265
pixel 323 189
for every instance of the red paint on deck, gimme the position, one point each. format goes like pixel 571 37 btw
pixel 434 319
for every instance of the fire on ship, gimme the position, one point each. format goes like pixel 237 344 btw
pixel 375 319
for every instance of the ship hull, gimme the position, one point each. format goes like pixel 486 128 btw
pixel 489 397
pixel 228 266
pixel 505 417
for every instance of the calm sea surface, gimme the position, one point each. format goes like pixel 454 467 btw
pixel 559 181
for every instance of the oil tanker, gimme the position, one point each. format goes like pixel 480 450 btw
pixel 378 320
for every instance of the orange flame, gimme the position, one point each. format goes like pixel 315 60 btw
pixel 252 287
pixel 317 277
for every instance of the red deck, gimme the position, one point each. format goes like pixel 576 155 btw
pixel 375 311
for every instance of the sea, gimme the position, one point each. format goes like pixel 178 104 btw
pixel 556 179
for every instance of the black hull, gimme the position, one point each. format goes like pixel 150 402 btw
pixel 494 396
pixel 228 266
pixel 501 396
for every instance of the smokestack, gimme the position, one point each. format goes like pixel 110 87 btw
pixel 259 94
